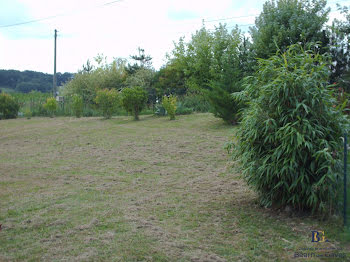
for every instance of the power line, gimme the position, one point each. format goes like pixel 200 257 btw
pixel 54 16
pixel 30 21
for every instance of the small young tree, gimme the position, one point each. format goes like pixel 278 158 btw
pixel 77 105
pixel 134 100
pixel 169 103
pixel 226 70
pixel 289 141
pixel 107 102
pixel 8 106
pixel 51 106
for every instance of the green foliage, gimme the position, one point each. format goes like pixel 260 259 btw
pixel 28 81
pixel 286 22
pixel 170 80
pixel 289 141
pixel 27 113
pixel 169 103
pixel 84 85
pixel 182 110
pixel 134 100
pixel 159 110
pixel 226 74
pixel 211 65
pixel 222 103
pixel 194 59
pixel 339 48
pixel 91 79
pixel 51 106
pixel 8 106
pixel 77 105
pixel 107 101
pixel 142 61
pixel 143 77
pixel 196 102
pixel 34 101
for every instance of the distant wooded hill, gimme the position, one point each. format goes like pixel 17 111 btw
pixel 26 81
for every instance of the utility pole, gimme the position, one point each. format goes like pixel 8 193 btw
pixel 54 86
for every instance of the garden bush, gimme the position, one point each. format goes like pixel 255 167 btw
pixel 51 106
pixel 197 102
pixel 134 100
pixel 222 103
pixel 27 113
pixel 8 106
pixel 289 140
pixel 182 110
pixel 169 103
pixel 107 101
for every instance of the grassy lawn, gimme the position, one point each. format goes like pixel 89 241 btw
pixel 155 190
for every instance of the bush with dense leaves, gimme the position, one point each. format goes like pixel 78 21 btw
pixel 197 102
pixel 107 101
pixel 289 141
pixel 51 106
pixel 77 105
pixel 222 103
pixel 28 113
pixel 169 103
pixel 182 110
pixel 134 100
pixel 8 106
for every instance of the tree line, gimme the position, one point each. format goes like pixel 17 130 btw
pixel 27 81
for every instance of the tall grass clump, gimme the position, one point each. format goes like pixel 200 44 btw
pixel 289 140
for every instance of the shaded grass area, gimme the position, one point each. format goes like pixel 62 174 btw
pixel 154 190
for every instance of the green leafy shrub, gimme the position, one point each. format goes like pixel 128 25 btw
pixel 51 106
pixel 89 112
pixel 40 110
pixel 182 110
pixel 77 105
pixel 107 101
pixel 223 105
pixel 197 102
pixel 28 113
pixel 134 100
pixel 33 100
pixel 8 106
pixel 169 103
pixel 289 141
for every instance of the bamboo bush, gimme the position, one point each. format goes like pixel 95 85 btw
pixel 289 141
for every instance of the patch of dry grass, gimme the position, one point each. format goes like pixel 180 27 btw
pixel 118 190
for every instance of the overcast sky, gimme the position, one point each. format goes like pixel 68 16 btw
pixel 114 28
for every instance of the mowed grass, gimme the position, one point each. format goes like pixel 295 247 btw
pixel 154 190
